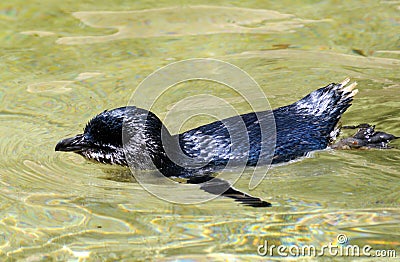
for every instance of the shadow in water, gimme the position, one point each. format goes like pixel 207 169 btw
pixel 209 183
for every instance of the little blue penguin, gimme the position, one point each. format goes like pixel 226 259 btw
pixel 136 137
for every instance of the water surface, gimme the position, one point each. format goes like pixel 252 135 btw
pixel 64 62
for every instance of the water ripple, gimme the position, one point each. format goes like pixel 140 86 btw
pixel 180 21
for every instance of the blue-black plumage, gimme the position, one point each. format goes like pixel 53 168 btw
pixel 304 126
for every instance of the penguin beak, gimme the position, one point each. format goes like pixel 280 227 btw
pixel 73 144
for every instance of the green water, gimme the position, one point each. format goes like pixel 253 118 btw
pixel 63 62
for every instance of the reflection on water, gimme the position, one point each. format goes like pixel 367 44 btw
pixel 180 21
pixel 58 87
pixel 59 72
